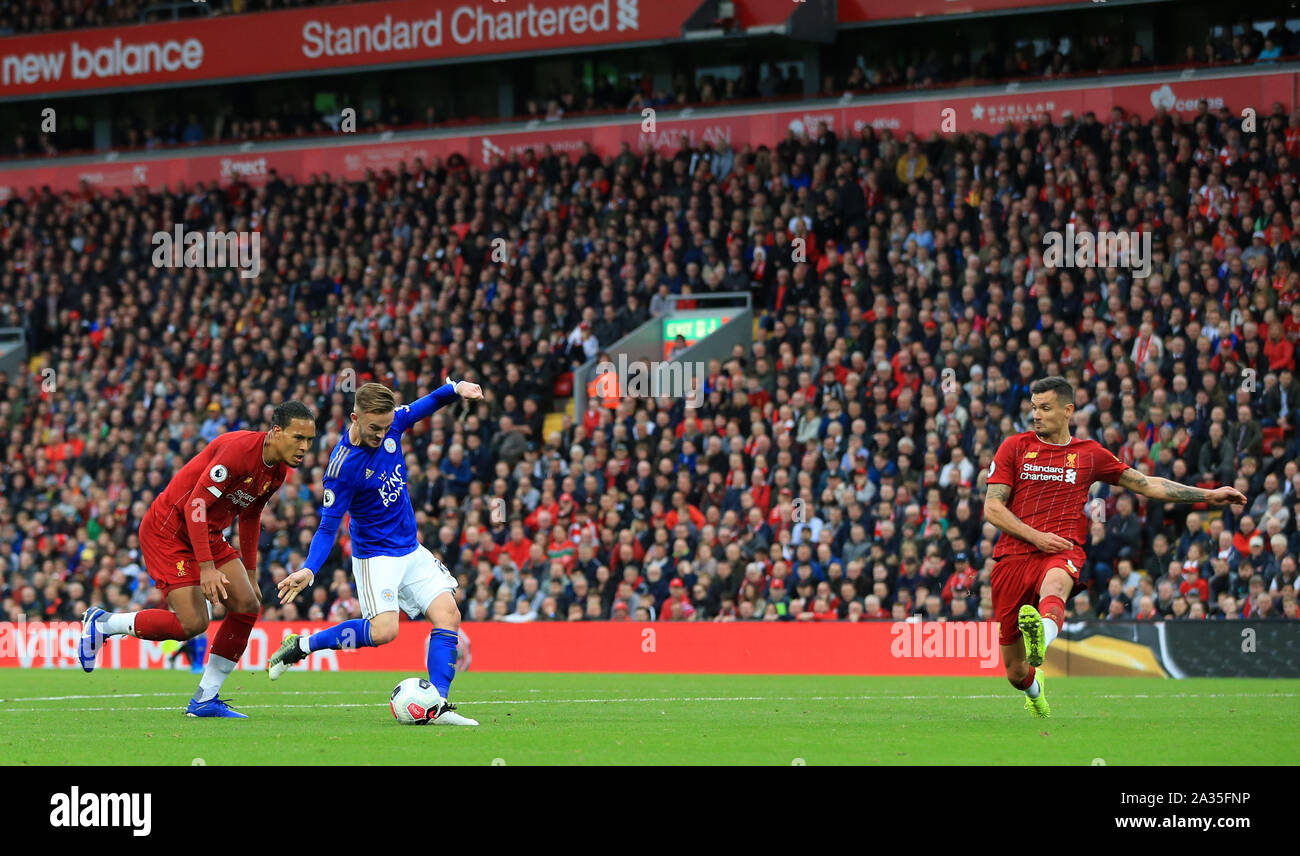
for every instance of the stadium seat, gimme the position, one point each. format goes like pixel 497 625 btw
pixel 563 386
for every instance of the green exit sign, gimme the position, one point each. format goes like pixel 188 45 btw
pixel 693 329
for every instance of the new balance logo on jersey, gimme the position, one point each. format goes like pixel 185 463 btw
pixel 369 473
pixel 1029 455
pixel 133 811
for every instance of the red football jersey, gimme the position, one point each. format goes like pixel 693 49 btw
pixel 1049 485
pixel 224 481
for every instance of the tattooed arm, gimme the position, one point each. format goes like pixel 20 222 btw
pixel 997 513
pixel 1171 491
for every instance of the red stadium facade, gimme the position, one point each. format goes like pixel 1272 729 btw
pixel 397 32
pixel 922 113
pixel 321 39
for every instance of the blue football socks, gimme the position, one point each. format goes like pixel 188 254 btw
pixel 442 659
pixel 347 634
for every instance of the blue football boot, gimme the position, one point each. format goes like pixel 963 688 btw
pixel 214 706
pixel 92 638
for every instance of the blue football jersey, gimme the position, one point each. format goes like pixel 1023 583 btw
pixel 370 485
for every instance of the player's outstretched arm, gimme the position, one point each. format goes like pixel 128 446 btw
pixel 1165 490
pixel 422 408
pixel 997 513
pixel 465 389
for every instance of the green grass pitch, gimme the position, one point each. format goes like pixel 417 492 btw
pixel 136 717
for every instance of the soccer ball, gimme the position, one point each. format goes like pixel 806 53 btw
pixel 414 701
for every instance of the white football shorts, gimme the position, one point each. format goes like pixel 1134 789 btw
pixel 410 582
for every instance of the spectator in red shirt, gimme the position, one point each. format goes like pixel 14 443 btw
pixel 1291 325
pixel 1278 349
pixel 677 606
pixel 962 579
pixel 682 509
pixel 519 545
pixel 822 611
pixel 1241 540
pixel 543 517
pixel 1192 584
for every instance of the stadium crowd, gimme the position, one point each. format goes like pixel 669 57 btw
pixel 22 17
pixel 834 471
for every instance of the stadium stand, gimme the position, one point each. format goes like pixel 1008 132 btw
pixel 923 255
pixel 686 514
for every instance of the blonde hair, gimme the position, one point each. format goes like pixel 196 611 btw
pixel 374 398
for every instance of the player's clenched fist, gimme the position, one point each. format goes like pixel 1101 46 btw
pixel 292 585
pixel 465 389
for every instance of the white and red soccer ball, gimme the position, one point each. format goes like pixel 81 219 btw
pixel 415 701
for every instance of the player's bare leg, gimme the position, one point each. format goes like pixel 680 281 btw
pixel 1041 626
pixel 383 627
pixel 443 642
pixel 191 610
pixel 243 603
pixel 1026 678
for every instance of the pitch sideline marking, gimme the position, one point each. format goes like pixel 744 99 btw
pixel 616 700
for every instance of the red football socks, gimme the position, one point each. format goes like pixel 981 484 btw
pixel 1027 682
pixel 1054 608
pixel 232 635
pixel 158 624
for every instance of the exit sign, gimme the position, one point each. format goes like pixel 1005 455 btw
pixel 693 329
